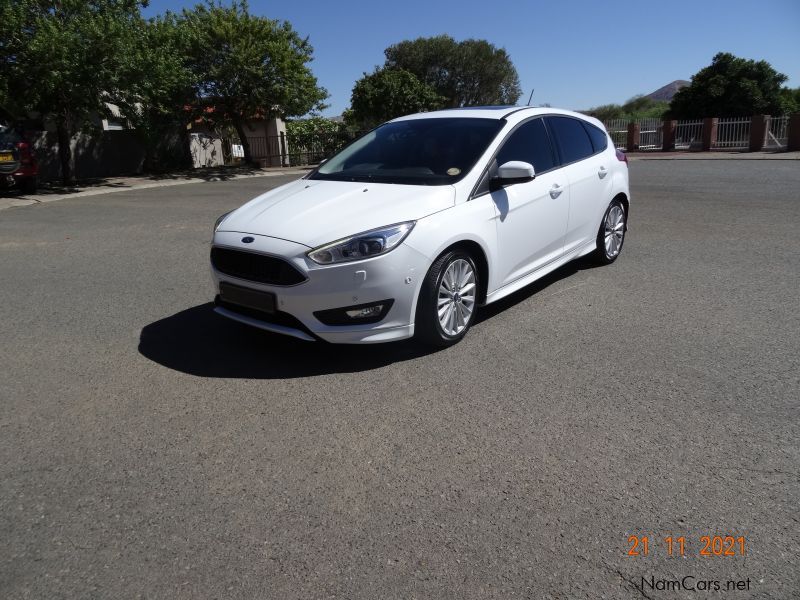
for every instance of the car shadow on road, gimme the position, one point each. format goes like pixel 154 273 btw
pixel 199 342
pixel 581 264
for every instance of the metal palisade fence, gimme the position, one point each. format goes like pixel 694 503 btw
pixel 651 134
pixel 733 133
pixel 724 133
pixel 618 130
pixel 311 148
pixel 777 134
pixel 688 135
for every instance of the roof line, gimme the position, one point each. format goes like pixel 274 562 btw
pixel 516 109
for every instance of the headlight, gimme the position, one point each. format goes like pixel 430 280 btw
pixel 220 219
pixel 363 245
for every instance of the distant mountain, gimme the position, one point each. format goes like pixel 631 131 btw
pixel 668 91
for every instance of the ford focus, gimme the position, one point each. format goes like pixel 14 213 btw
pixel 413 227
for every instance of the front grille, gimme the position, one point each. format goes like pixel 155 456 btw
pixel 255 267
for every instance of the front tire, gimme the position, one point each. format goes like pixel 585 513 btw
pixel 611 235
pixel 448 300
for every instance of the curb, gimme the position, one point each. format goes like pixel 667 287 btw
pixel 717 156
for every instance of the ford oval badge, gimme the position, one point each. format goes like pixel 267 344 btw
pixel 248 240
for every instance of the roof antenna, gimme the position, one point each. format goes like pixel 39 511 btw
pixel 530 97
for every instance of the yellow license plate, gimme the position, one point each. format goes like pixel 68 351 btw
pixel 6 157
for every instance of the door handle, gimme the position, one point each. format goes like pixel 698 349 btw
pixel 602 172
pixel 555 191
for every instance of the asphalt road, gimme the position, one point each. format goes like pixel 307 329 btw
pixel 149 448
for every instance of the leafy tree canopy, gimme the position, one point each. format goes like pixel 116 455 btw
pixel 386 94
pixel 468 73
pixel 63 61
pixel 314 138
pixel 790 99
pixel 313 125
pixel 730 87
pixel 159 87
pixel 248 66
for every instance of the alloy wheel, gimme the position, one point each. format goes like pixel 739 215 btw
pixel 614 230
pixel 456 298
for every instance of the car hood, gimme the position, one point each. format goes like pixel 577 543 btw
pixel 314 213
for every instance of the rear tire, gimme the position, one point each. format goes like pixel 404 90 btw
pixel 611 235
pixel 448 300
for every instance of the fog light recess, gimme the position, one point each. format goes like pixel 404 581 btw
pixel 361 314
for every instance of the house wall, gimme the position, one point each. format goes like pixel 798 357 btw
pixel 265 141
pixel 102 154
pixel 206 150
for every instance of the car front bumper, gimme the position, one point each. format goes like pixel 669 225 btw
pixel 396 275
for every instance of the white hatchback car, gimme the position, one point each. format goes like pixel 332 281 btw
pixel 412 227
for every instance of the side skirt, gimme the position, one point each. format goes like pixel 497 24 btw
pixel 520 283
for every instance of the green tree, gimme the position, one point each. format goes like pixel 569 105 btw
pixel 386 94
pixel 790 100
pixel 63 60
pixel 249 67
pixel 11 20
pixel 638 107
pixel 315 138
pixel 159 87
pixel 467 73
pixel 730 87
pixel 313 126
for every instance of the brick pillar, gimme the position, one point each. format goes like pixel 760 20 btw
pixel 709 132
pixel 794 132
pixel 759 125
pixel 633 137
pixel 668 135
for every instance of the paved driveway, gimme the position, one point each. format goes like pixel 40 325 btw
pixel 151 449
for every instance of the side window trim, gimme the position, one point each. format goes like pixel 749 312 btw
pixel 483 180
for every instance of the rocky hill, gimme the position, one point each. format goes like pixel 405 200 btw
pixel 668 91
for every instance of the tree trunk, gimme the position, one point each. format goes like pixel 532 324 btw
pixel 248 157
pixel 65 152
pixel 150 161
pixel 186 161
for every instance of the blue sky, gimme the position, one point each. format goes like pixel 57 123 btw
pixel 576 54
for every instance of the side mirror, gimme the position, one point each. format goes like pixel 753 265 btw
pixel 514 171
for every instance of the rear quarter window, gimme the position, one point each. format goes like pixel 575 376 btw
pixel 597 136
pixel 571 138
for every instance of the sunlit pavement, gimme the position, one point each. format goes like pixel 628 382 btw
pixel 149 448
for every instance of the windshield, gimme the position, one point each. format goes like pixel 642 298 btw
pixel 417 152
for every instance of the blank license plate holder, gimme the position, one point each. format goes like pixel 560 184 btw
pixel 247 297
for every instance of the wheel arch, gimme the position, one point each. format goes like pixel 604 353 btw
pixel 476 251
pixel 626 204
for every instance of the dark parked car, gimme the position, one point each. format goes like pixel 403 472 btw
pixel 18 166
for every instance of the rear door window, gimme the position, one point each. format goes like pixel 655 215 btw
pixel 571 138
